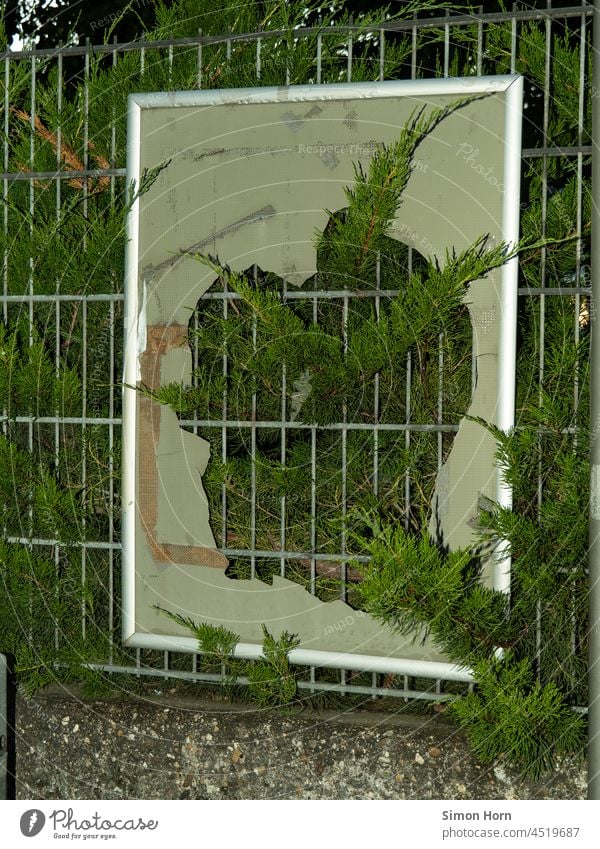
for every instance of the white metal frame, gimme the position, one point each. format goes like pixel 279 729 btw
pixel 512 85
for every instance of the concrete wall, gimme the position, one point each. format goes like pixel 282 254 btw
pixel 166 747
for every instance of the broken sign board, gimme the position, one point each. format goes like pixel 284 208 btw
pixel 247 175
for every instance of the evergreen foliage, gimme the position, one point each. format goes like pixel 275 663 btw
pixel 514 716
pixel 409 583
pixel 271 681
pixel 513 713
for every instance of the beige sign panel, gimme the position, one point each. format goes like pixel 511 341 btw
pixel 247 175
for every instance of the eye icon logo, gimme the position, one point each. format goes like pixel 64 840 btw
pixel 32 822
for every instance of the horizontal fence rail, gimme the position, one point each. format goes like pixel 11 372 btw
pixel 449 20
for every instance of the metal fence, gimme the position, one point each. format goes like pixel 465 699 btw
pixel 434 47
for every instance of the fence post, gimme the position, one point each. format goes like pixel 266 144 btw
pixel 594 540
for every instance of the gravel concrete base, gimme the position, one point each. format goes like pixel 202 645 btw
pixel 165 747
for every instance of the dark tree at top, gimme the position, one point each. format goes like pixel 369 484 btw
pixel 53 25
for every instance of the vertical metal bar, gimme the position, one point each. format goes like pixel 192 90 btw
pixel 199 61
pixel 224 430
pixel 228 50
pixel 376 387
pixel 258 59
pixel 349 64
pixel 407 438
pixel 195 360
pixel 287 71
pixel 83 456
pixel 578 256
pixel 319 57
pixel 578 269
pixel 5 426
pixel 313 485
pixel 544 205
pixel 344 492
pixel 440 404
pixel 59 93
pixel 541 358
pixel 113 133
pixel 594 540
pixel 31 258
pixel 111 408
pixel 31 287
pixel 313 491
pixel 579 243
pixel 283 451
pixel 253 455
pixel 3 728
pixel 142 60
pixel 5 215
pixel 408 409
pixel 473 371
pixel 84 375
pixel 31 206
pixel 111 479
pixel 480 43
pixel 86 126
pixel 381 54
pixel 513 42
pixel 446 45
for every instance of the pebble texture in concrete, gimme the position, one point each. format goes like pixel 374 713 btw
pixel 169 748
